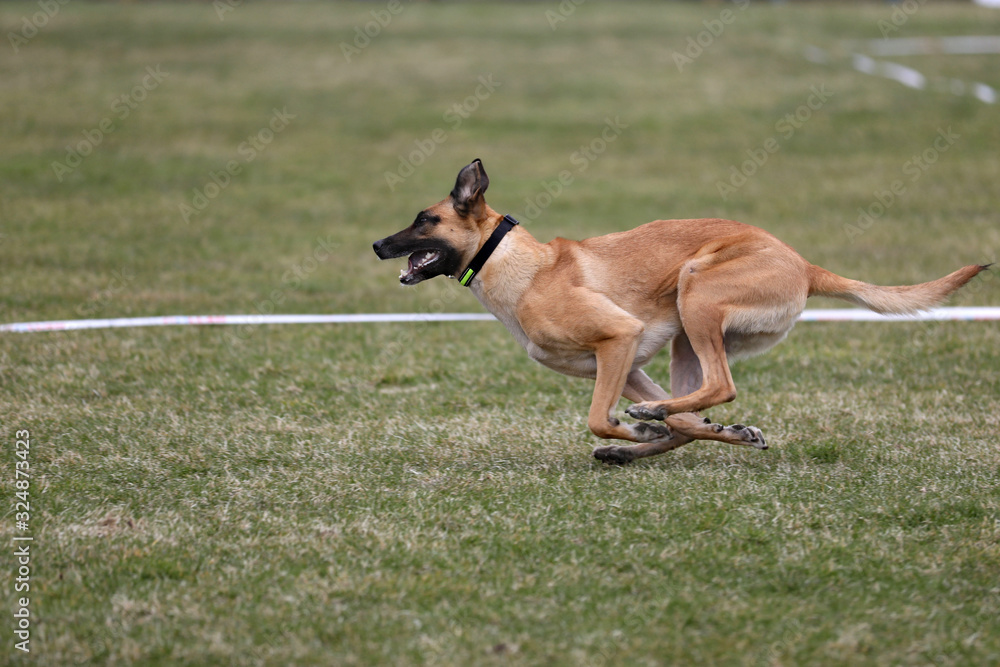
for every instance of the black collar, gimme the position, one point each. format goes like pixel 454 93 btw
pixel 476 265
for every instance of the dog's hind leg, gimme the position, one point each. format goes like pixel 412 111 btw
pixel 683 428
pixel 690 425
pixel 685 369
pixel 706 343
pixel 685 378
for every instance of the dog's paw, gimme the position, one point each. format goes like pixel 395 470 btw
pixel 614 455
pixel 646 411
pixel 750 435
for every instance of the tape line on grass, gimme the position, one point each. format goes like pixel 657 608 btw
pixel 910 77
pixel 966 314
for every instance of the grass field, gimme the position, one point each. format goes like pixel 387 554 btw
pixel 424 494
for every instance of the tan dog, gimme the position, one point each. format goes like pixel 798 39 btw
pixel 601 308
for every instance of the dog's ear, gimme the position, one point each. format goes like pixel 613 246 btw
pixel 471 184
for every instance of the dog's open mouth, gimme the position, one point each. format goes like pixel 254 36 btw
pixel 417 261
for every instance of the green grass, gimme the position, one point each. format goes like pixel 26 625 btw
pixel 424 494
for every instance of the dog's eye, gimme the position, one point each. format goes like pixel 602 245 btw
pixel 425 219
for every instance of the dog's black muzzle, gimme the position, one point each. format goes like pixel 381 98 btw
pixel 428 257
pixel 384 250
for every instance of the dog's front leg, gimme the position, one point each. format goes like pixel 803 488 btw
pixel 553 320
pixel 639 387
pixel 614 358
pixel 614 361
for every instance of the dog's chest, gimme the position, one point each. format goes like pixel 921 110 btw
pixel 502 301
pixel 503 304
pixel 581 363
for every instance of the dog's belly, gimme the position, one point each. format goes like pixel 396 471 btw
pixel 583 363
pixel 654 337
pixel 563 358
pixel 578 364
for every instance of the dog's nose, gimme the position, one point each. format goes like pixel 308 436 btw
pixel 377 245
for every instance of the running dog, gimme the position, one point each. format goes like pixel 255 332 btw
pixel 714 289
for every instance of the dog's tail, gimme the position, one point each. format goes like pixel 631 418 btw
pixel 902 299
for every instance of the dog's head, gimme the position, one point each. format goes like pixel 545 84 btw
pixel 444 237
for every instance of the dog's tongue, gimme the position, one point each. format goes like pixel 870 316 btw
pixel 416 262
pixel 412 262
pixel 418 259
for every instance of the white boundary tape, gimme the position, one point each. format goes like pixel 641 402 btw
pixel 987 313
pixel 920 46
pixel 907 76
pixel 910 77
pixel 196 320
